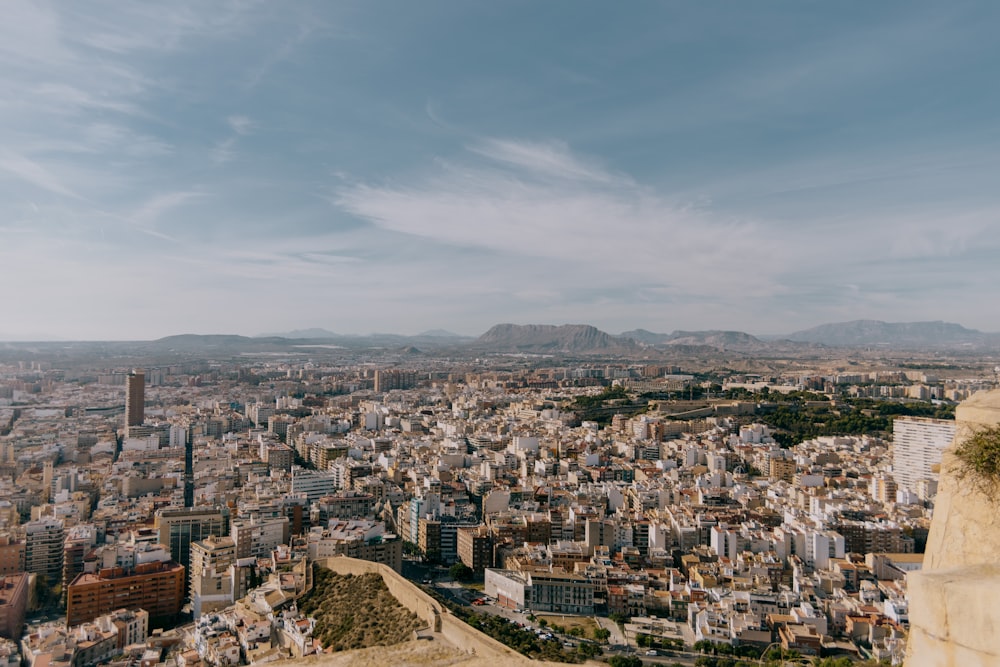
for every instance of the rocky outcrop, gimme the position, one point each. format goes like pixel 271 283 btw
pixel 954 610
pixel 578 338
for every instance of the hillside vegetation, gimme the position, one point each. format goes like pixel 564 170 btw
pixel 354 612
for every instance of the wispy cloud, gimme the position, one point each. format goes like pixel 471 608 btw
pixel 34 173
pixel 241 125
pixel 539 201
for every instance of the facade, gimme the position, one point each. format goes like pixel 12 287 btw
pixel 917 443
pixel 313 484
pixel 387 380
pixel 475 548
pixel 348 504
pixel 259 537
pixel 157 587
pixel 211 578
pixel 561 593
pixel 555 592
pixel 179 528
pixel 43 549
pixel 11 554
pixel 13 604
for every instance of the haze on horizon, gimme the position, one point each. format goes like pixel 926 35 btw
pixel 245 167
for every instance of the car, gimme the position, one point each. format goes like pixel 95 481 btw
pixel 652 651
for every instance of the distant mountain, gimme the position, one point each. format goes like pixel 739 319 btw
pixel 297 334
pixel 576 338
pixel 646 337
pixel 720 340
pixel 440 333
pixel 863 333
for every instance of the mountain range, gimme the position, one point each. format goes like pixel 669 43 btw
pixel 584 338
pixel 574 339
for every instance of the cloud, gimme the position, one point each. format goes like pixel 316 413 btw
pixel 538 202
pixel 33 173
pixel 241 124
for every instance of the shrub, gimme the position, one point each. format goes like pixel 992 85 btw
pixel 979 461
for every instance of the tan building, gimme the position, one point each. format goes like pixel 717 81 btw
pixel 475 548
pixel 13 605
pixel 11 554
pixel 211 577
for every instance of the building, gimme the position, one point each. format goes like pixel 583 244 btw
pixel 179 528
pixel 211 577
pixel 13 604
pixel 347 504
pixel 917 443
pixel 555 592
pixel 11 554
pixel 156 586
pixel 279 457
pixel 43 549
pixel 135 399
pixel 475 548
pixel 314 484
pixel 80 539
pixel 365 540
pixel 387 380
pixel 259 537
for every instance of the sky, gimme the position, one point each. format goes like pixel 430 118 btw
pixel 375 166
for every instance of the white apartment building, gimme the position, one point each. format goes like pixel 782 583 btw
pixel 916 449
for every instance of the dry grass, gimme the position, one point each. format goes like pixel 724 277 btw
pixel 588 624
pixel 354 612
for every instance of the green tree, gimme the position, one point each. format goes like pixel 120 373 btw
pixel 460 572
pixel 602 634
pixel 624 661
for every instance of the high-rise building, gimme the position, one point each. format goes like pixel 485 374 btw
pixel 917 443
pixel 179 528
pixel 135 399
pixel 211 583
pixel 43 549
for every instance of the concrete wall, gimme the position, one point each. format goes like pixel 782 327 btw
pixel 953 600
pixel 438 618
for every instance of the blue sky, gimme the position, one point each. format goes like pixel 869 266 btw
pixel 248 167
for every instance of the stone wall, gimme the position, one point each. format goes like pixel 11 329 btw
pixel 954 609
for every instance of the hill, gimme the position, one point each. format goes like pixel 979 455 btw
pixel 576 338
pixel 864 333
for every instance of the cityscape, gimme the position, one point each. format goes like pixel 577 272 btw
pixel 488 334
pixel 174 507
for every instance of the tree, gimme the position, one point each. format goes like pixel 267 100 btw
pixel 624 661
pixel 460 572
pixel 602 634
pixel 542 622
pixel 643 640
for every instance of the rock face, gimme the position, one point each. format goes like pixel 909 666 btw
pixel 954 612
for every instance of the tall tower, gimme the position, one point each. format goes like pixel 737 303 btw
pixel 135 399
pixel 188 473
